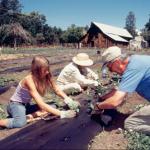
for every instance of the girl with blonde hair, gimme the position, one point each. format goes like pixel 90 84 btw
pixel 34 86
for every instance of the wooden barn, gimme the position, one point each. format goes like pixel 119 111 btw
pixel 102 36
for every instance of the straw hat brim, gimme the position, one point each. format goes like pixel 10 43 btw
pixel 88 62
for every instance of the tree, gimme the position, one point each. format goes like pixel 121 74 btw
pixel 72 34
pixel 40 38
pixel 146 31
pixel 130 23
pixel 33 22
pixel 14 34
pixel 9 11
pixel 52 34
pixel 147 25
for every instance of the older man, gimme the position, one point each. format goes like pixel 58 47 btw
pixel 135 71
pixel 77 75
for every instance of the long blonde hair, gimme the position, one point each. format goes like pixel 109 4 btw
pixel 42 84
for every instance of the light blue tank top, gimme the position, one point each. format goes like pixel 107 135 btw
pixel 21 95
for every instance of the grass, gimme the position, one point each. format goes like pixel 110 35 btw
pixel 44 50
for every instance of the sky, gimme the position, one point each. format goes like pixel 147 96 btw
pixel 63 13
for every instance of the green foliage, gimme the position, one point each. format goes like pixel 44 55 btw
pixel 40 38
pixel 147 25
pixel 137 141
pixel 111 82
pixel 72 34
pixel 5 81
pixel 52 34
pixel 130 23
pixel 13 34
pixel 115 79
pixel 146 31
pixel 100 90
pixel 138 107
pixel 9 10
pixel 33 24
pixel 3 114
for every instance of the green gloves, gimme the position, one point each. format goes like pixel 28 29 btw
pixel 67 114
pixel 74 105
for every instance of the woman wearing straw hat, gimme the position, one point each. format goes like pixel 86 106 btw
pixel 76 75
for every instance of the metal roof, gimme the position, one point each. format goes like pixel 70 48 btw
pixel 113 32
pixel 116 37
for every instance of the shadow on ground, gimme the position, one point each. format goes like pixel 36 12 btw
pixel 72 133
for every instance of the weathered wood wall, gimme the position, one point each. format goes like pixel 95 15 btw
pixel 96 38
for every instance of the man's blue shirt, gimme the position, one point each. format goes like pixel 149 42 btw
pixel 137 76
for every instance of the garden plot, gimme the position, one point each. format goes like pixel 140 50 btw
pixel 92 132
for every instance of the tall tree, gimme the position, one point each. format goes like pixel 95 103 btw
pixel 147 25
pixel 73 34
pixel 52 34
pixel 131 23
pixel 9 11
pixel 14 34
pixel 146 31
pixel 33 22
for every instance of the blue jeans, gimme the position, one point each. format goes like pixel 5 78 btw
pixel 18 113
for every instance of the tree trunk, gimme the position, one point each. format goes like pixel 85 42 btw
pixel 15 44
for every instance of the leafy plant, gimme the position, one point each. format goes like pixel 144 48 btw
pixel 5 81
pixel 138 107
pixel 137 140
pixel 3 115
pixel 100 89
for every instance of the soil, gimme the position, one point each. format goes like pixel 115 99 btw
pixel 78 133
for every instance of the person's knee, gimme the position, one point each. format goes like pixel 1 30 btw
pixel 126 125
pixel 129 124
pixel 77 87
pixel 19 123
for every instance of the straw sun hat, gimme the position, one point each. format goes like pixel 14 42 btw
pixel 82 59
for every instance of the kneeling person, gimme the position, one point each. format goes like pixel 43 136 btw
pixel 76 75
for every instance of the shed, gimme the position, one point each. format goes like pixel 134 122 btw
pixel 138 43
pixel 102 36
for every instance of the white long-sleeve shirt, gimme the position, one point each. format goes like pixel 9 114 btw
pixel 71 74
